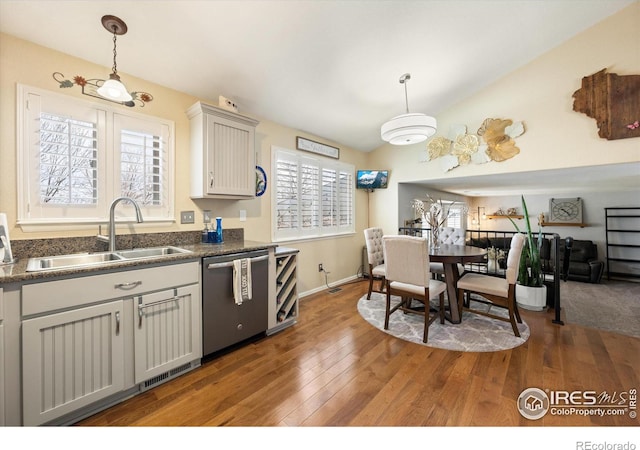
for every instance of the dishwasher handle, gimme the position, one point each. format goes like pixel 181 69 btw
pixel 230 263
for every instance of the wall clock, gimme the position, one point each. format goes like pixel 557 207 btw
pixel 565 210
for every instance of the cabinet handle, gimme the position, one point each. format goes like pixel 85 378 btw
pixel 230 263
pixel 129 285
pixel 141 307
pixel 117 323
pixel 210 179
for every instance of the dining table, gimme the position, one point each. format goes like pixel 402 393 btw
pixel 450 255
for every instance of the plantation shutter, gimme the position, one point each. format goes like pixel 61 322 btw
pixel 456 217
pixel 346 209
pixel 309 204
pixel 312 197
pixel 143 158
pixel 141 162
pixel 68 160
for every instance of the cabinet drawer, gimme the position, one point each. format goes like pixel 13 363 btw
pixel 71 293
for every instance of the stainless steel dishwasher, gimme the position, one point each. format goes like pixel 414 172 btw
pixel 224 322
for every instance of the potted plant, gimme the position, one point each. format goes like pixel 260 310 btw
pixel 531 292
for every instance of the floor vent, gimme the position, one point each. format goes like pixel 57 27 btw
pixel 165 376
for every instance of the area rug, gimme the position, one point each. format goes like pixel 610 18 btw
pixel 612 305
pixel 474 333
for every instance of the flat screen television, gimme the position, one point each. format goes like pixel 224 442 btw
pixel 372 179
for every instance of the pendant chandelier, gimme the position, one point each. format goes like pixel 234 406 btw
pixel 409 128
pixel 113 89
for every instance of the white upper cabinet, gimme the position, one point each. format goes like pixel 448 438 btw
pixel 222 153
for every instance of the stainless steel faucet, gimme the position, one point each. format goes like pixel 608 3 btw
pixel 112 220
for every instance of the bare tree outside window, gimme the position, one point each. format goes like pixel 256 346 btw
pixel 141 167
pixel 68 161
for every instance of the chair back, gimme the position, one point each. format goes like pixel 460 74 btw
pixel 513 258
pixel 407 259
pixel 450 235
pixel 373 240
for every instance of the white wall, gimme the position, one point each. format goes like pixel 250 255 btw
pixel 593 204
pixel 27 63
pixel 540 95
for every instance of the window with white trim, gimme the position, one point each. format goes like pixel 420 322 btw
pixel 76 156
pixel 456 217
pixel 313 197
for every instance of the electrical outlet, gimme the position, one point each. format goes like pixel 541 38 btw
pixel 187 217
pixel 320 268
pixel 207 217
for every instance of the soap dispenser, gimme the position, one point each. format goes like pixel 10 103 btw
pixel 219 239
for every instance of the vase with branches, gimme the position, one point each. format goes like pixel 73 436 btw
pixel 435 213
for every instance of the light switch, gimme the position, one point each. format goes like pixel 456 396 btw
pixel 243 215
pixel 187 217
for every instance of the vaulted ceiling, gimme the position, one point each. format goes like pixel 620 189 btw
pixel 330 68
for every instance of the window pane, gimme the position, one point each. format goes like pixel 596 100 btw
pixel 286 195
pixel 456 216
pixel 312 197
pixel 141 167
pixel 329 198
pixel 68 161
pixel 309 208
pixel 346 199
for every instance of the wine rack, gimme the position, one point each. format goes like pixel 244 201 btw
pixel 286 287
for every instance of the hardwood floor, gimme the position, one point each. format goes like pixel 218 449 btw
pixel 334 369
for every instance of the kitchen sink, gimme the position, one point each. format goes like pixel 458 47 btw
pixel 79 260
pixel 137 253
pixel 69 261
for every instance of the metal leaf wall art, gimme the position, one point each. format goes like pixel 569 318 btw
pixel 494 141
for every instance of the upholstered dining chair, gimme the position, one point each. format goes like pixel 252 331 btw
pixel 495 291
pixel 407 276
pixel 449 235
pixel 375 257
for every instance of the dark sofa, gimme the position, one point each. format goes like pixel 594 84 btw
pixel 583 263
pixel 504 243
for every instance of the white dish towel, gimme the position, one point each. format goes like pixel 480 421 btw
pixel 241 280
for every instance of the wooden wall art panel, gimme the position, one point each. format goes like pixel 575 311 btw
pixel 613 101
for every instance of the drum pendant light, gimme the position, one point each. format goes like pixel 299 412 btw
pixel 113 89
pixel 409 128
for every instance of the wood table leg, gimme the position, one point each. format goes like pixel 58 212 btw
pixel 451 277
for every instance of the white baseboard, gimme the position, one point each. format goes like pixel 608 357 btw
pixel 324 288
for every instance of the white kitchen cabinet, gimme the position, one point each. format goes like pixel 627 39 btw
pixel 70 360
pixel 285 311
pixel 167 331
pixel 222 153
pixel 90 341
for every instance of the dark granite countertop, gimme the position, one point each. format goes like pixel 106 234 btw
pixel 16 272
pixel 285 251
